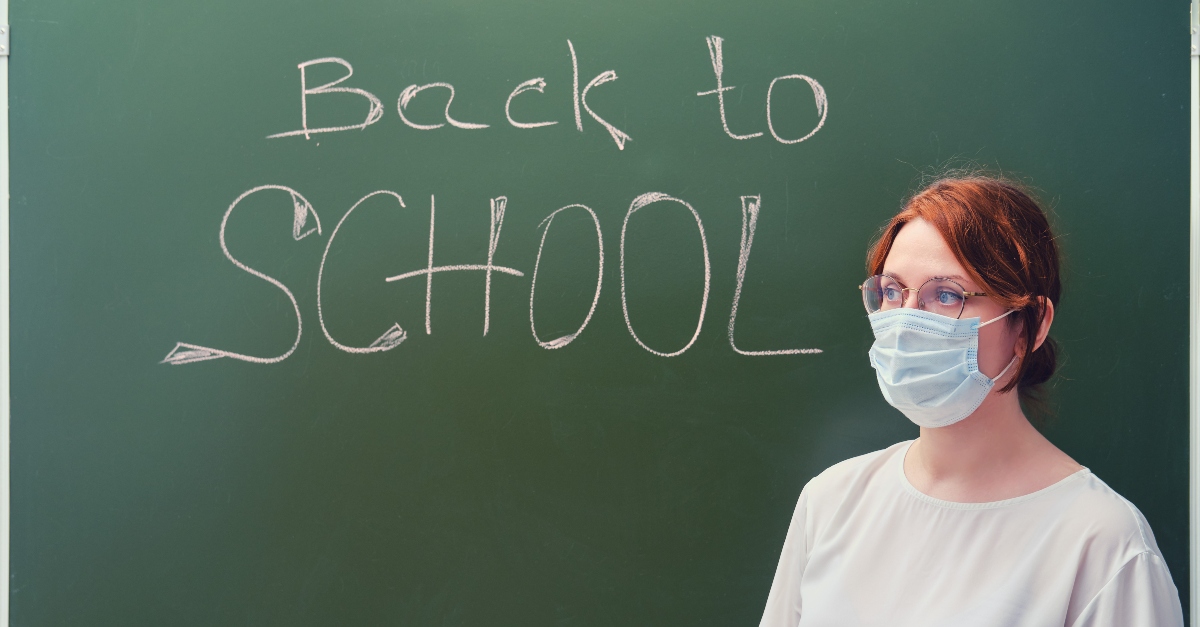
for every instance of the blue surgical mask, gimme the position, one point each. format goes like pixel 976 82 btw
pixel 927 364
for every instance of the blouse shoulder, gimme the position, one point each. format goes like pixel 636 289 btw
pixel 841 479
pixel 1083 505
pixel 1141 593
pixel 1123 578
pixel 1121 571
pixel 1115 524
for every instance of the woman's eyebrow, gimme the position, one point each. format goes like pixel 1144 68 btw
pixel 956 277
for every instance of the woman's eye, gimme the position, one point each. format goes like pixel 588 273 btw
pixel 891 294
pixel 948 298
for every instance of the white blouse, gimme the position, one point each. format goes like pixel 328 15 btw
pixel 866 548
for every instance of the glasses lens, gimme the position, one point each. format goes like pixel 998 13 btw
pixel 882 293
pixel 941 296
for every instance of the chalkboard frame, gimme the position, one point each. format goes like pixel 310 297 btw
pixel 5 370
pixel 1194 316
pixel 1194 320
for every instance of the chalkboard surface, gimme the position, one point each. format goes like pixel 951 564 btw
pixel 502 389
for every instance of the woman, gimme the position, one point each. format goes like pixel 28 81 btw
pixel 981 521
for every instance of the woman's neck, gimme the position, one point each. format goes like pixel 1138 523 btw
pixel 993 454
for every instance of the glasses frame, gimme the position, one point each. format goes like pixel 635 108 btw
pixel 862 287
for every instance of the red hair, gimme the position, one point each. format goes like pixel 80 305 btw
pixel 1002 238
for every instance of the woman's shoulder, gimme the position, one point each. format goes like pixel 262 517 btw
pixel 1080 506
pixel 1094 510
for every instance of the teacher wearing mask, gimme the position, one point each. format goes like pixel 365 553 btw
pixel 981 521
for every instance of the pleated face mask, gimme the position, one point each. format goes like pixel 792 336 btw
pixel 927 364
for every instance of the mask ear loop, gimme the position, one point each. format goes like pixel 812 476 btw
pixel 1002 372
pixel 996 318
pixel 1014 359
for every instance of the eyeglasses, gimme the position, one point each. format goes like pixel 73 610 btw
pixel 937 295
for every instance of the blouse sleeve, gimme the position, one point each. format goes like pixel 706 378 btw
pixel 783 603
pixel 1141 593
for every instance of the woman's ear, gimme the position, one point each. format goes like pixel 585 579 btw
pixel 1047 320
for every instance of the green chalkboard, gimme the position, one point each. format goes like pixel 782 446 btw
pixel 454 469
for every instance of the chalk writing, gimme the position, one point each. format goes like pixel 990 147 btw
pixel 617 134
pixel 497 205
pixel 714 53
pixel 537 84
pixel 579 100
pixel 821 100
pixel 411 91
pixel 430 269
pixel 606 76
pixel 395 334
pixel 750 208
pixel 566 339
pixel 637 204
pixel 575 86
pixel 373 114
pixel 818 96
pixel 184 353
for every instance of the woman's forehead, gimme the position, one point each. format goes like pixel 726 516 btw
pixel 919 252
